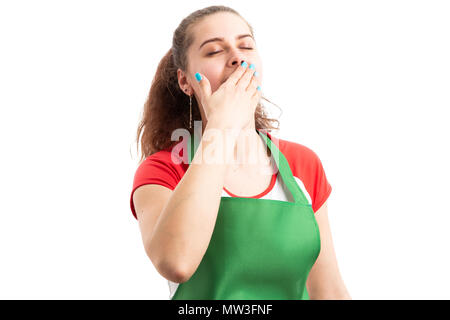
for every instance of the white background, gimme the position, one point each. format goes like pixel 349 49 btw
pixel 365 84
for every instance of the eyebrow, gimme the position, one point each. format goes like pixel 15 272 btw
pixel 221 39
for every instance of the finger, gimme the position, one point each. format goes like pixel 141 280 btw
pixel 253 84
pixel 203 85
pixel 256 99
pixel 257 94
pixel 246 77
pixel 237 74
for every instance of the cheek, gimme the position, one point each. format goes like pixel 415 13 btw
pixel 214 76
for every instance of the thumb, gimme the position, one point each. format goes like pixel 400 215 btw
pixel 205 86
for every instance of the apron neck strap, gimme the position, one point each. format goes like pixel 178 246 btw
pixel 285 170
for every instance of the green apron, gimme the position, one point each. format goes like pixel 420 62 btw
pixel 260 249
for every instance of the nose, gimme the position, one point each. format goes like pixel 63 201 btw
pixel 237 60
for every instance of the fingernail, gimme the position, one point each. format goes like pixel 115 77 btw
pixel 258 88
pixel 198 77
pixel 252 66
pixel 244 64
pixel 256 73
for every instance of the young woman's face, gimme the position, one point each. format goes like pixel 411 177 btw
pixel 237 45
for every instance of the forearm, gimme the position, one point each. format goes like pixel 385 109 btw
pixel 330 292
pixel 185 227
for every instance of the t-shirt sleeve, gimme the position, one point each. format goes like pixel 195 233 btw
pixel 322 187
pixel 156 169
pixel 307 166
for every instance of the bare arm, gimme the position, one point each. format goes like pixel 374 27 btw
pixel 324 281
pixel 177 225
pixel 177 230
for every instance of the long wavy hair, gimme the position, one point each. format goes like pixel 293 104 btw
pixel 165 108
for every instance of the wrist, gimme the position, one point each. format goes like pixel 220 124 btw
pixel 218 144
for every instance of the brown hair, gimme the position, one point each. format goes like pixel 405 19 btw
pixel 167 107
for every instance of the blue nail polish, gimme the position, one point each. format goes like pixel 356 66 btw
pixel 256 74
pixel 252 66
pixel 258 88
pixel 198 77
pixel 244 64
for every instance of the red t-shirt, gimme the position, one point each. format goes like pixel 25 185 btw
pixel 304 163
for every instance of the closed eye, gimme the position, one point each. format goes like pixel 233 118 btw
pixel 213 53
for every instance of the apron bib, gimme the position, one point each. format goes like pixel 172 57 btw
pixel 260 249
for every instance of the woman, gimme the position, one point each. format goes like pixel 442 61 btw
pixel 213 227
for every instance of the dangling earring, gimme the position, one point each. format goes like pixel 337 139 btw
pixel 190 112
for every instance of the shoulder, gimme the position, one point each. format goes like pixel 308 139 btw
pixel 165 166
pixel 307 169
pixel 298 155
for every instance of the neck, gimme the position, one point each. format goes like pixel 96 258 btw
pixel 249 150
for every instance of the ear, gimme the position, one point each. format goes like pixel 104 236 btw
pixel 183 83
